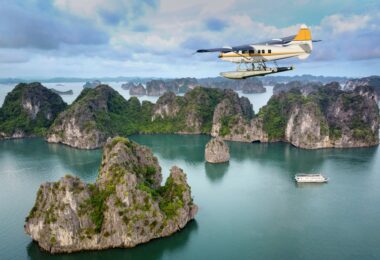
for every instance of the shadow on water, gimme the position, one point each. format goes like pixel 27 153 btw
pixel 189 148
pixel 154 249
pixel 73 161
pixel 216 171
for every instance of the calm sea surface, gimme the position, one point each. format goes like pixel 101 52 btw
pixel 249 208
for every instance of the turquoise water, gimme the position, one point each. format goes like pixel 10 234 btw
pixel 249 208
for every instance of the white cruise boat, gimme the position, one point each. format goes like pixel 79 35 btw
pixel 315 177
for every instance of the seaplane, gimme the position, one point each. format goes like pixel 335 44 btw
pixel 254 56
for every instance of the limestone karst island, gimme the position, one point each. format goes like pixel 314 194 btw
pixel 161 129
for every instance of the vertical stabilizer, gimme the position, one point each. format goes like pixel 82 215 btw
pixel 304 40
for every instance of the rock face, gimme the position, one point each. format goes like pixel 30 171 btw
pixel 252 86
pixel 159 87
pixel 305 87
pixel 217 151
pixel 128 85
pixel 137 90
pixel 181 85
pixel 125 207
pixel 28 110
pixel 92 84
pixel 326 117
pixel 373 81
pixel 93 117
pixel 230 113
pixel 168 106
pixel 192 113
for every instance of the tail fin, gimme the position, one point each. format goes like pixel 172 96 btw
pixel 304 40
pixel 304 34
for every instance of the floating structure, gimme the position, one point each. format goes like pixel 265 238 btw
pixel 310 178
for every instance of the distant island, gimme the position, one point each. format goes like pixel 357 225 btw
pixel 373 81
pixel 183 85
pixel 324 116
pixel 67 92
pixel 92 84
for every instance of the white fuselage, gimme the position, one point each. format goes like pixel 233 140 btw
pixel 263 53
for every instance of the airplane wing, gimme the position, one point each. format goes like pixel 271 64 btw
pixel 227 49
pixel 283 40
pixel 247 47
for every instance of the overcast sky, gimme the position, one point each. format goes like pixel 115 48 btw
pixel 96 38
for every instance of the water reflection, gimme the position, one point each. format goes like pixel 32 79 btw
pixel 154 249
pixel 294 160
pixel 309 185
pixel 216 171
pixel 189 148
pixel 51 158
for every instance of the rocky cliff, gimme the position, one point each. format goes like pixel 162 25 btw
pixel 217 151
pixel 137 90
pixel 28 110
pixel 325 117
pixel 159 87
pixel 92 84
pixel 190 114
pixel 305 87
pixel 251 85
pixel 373 81
pixel 125 207
pixel 128 85
pixel 96 115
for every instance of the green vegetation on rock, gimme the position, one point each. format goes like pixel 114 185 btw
pixel 29 109
pixel 126 203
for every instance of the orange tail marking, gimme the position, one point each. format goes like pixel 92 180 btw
pixel 304 34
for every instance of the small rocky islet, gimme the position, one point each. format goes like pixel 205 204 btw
pixel 126 206
pixel 217 151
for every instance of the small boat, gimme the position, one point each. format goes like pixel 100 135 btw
pixel 314 177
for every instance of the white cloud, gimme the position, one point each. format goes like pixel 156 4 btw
pixel 169 25
pixel 339 24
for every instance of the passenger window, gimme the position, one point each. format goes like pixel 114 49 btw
pixel 245 52
pixel 263 51
pixel 251 51
pixel 269 51
pixel 258 51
